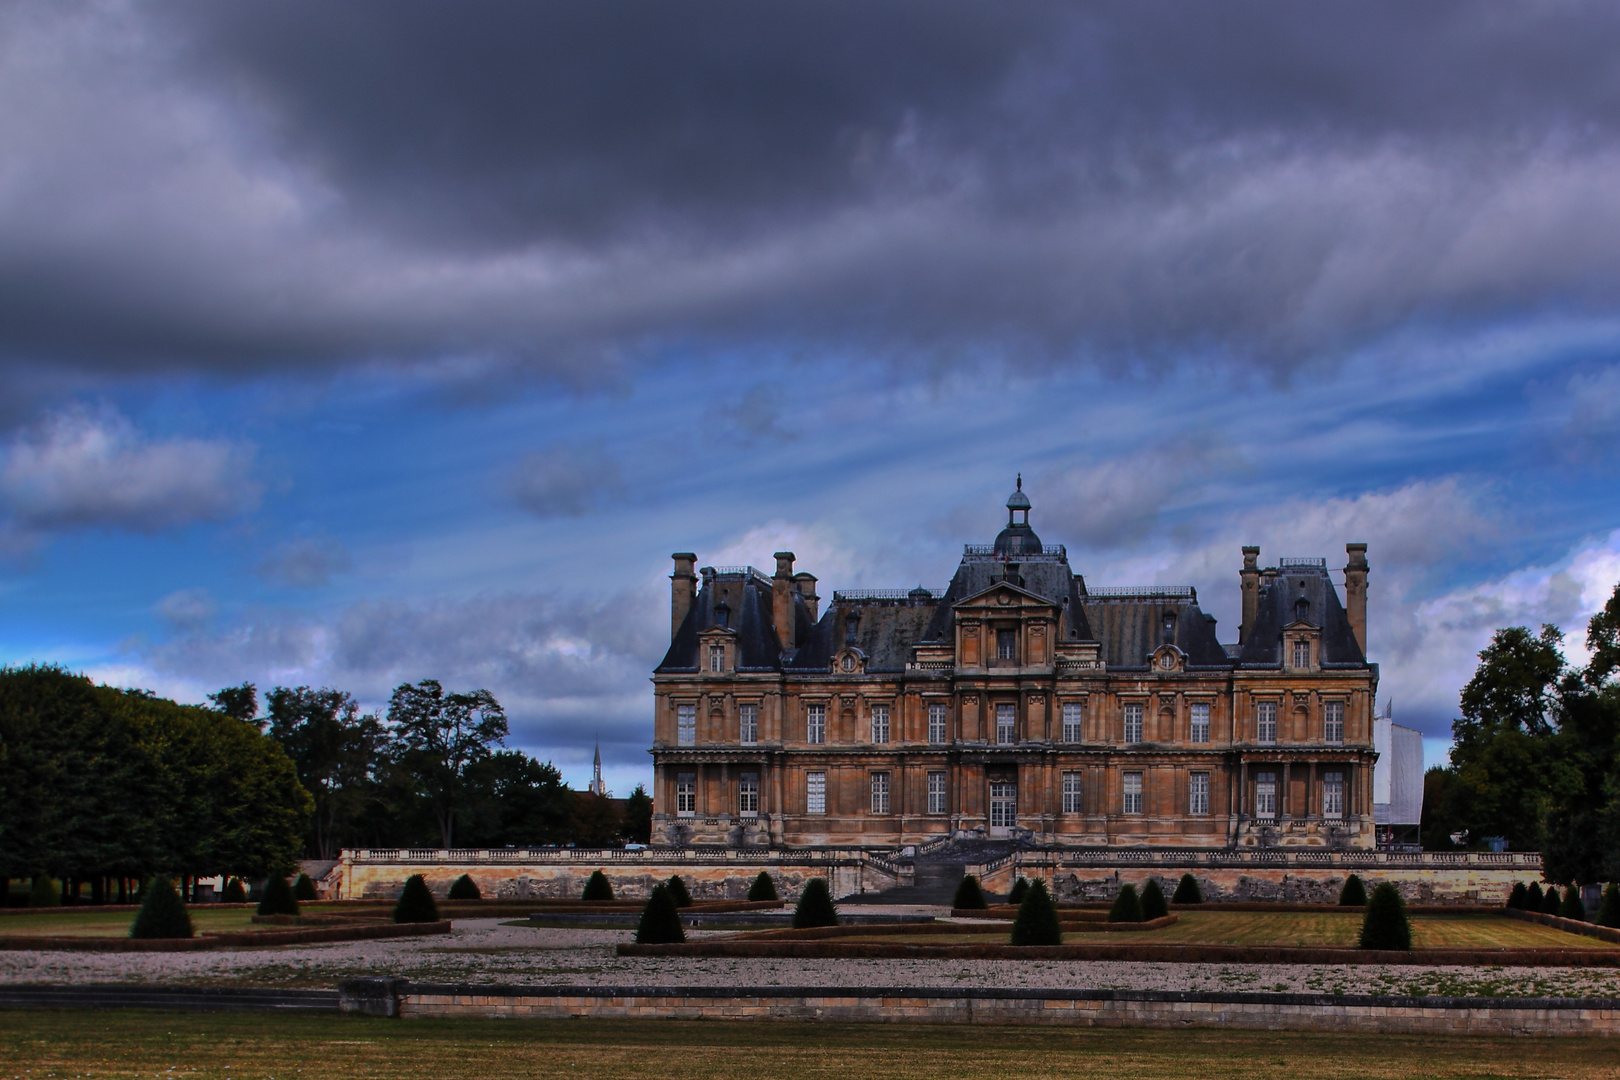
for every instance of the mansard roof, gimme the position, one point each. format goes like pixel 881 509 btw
pixel 1299 591
pixel 1130 625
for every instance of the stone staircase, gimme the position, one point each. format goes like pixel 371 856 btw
pixel 938 872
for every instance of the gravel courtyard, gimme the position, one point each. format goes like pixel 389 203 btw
pixel 486 951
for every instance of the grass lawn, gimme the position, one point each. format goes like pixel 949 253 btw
pixel 67 922
pixel 1305 929
pixel 252 1045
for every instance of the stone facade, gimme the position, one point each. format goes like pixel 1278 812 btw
pixel 1016 702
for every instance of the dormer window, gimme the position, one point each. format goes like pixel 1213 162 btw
pixel 1169 626
pixel 1302 653
pixel 1302 610
pixel 717 658
pixel 722 616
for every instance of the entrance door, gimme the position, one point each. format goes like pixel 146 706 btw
pixel 1003 807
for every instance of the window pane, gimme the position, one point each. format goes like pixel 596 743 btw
pixel 936 793
pixel 685 725
pixel 717 657
pixel 1265 795
pixel 880 723
pixel 1133 792
pixel 880 793
pixel 1133 723
pixel 1333 795
pixel 1073 719
pixel 1071 793
pixel 936 723
pixel 1266 722
pixel 1333 721
pixel 685 794
pixel 815 793
pixel 1005 724
pixel 1302 654
pixel 1198 793
pixel 1006 644
pixel 1200 723
pixel 815 723
pixel 748 795
pixel 1003 805
pixel 748 724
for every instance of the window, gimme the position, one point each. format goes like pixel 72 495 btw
pixel 686 794
pixel 1302 654
pixel 1333 795
pixel 936 793
pixel 1133 793
pixel 852 627
pixel 880 793
pixel 1198 793
pixel 1071 793
pixel 1200 723
pixel 1265 795
pixel 1333 721
pixel 1265 722
pixel 1003 804
pixel 815 723
pixel 685 725
pixel 880 723
pixel 748 724
pixel 1133 723
pixel 936 723
pixel 815 793
pixel 1073 717
pixel 1006 644
pixel 748 795
pixel 717 658
pixel 1006 724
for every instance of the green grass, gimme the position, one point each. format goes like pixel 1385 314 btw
pixel 245 1046
pixel 66 922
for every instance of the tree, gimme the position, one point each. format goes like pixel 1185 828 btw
pixel 1153 905
pixel 1354 893
pixel 1551 902
pixel 277 897
pixel 660 920
pixel 1187 891
pixel 512 799
pixel 162 914
pixel 969 896
pixel 1384 925
pixel 335 748
pixel 1572 907
pixel 1532 897
pixel 763 888
pixel 638 812
pixel 815 907
pixel 304 888
pixel 1127 906
pixel 238 703
pixel 677 891
pixel 464 888
pixel 416 903
pixel 1609 910
pixel 1019 890
pixel 1037 919
pixel 1516 898
pixel 438 736
pixel 597 888
pixel 596 821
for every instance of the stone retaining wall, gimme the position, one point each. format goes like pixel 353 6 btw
pixel 1081 1008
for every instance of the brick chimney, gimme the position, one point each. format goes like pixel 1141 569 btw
pixel 782 600
pixel 806 584
pixel 1251 591
pixel 1355 592
pixel 682 588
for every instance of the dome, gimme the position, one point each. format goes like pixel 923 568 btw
pixel 1018 500
pixel 1018 540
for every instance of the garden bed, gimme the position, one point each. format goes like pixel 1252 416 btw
pixel 252 938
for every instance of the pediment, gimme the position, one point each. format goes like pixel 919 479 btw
pixel 1302 624
pixel 716 632
pixel 1000 596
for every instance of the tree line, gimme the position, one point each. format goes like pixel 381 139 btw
pixel 108 786
pixel 1536 756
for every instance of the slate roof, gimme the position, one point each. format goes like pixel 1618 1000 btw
pixel 1131 628
pixel 1299 593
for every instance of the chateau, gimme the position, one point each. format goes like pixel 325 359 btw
pixel 1018 703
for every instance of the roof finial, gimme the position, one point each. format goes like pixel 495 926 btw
pixel 1020 481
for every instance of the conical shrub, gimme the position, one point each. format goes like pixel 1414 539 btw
pixel 277 897
pixel 162 914
pixel 44 893
pixel 1187 891
pixel 1609 910
pixel 762 889
pixel 1020 890
pixel 1532 897
pixel 1354 893
pixel 969 897
pixel 816 907
pixel 464 888
pixel 1551 902
pixel 597 887
pixel 660 920
pixel 1384 926
pixel 1153 905
pixel 1037 921
pixel 677 891
pixel 416 903
pixel 1517 897
pixel 234 892
pixel 304 888
pixel 1573 907
pixel 1127 906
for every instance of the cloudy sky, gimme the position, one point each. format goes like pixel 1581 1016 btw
pixel 362 343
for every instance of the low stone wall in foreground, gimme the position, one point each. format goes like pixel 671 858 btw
pixel 1077 1008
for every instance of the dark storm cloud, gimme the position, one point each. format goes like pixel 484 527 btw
pixel 562 186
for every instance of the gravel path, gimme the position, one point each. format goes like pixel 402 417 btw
pixel 485 951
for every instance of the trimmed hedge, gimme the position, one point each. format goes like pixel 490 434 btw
pixel 277 897
pixel 969 897
pixel 1187 891
pixel 1020 890
pixel 464 888
pixel 1385 926
pixel 763 889
pixel 1608 913
pixel 677 891
pixel 1354 893
pixel 660 920
pixel 597 887
pixel 304 888
pixel 44 893
pixel 234 892
pixel 163 913
pixel 816 907
pixel 1516 899
pixel 1127 906
pixel 1153 905
pixel 1037 922
pixel 1573 907
pixel 416 903
pixel 1551 902
pixel 1532 897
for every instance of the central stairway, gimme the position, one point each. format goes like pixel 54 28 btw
pixel 938 873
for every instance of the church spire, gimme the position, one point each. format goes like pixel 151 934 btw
pixel 597 787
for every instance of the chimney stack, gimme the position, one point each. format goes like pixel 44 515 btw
pixel 1355 592
pixel 681 590
pixel 782 600
pixel 1251 591
pixel 806 584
